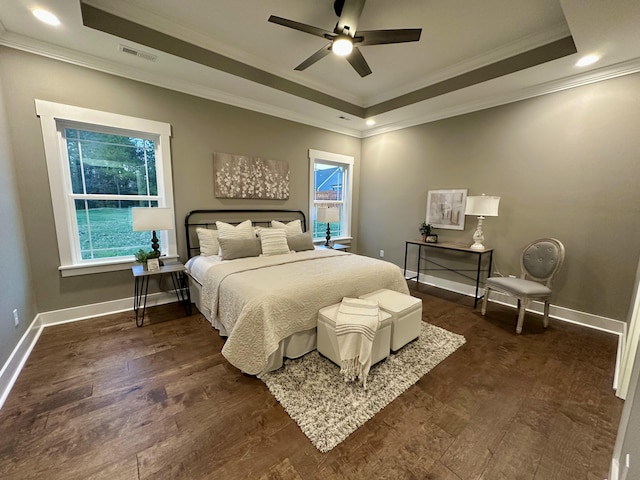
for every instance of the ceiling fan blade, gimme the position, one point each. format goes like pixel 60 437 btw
pixel 302 27
pixel 351 11
pixel 380 37
pixel 358 62
pixel 323 52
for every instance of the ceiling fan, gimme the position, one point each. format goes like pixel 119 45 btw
pixel 345 38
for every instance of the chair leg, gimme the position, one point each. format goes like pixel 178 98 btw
pixel 485 300
pixel 522 308
pixel 545 319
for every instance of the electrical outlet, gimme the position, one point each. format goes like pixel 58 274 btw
pixel 16 319
pixel 381 253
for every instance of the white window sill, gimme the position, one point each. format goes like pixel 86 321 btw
pixel 102 267
pixel 344 240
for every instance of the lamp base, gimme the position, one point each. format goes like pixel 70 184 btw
pixel 478 236
pixel 328 237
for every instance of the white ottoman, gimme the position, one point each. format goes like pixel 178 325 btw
pixel 406 315
pixel 328 342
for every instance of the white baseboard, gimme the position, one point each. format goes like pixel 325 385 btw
pixel 564 314
pixel 13 366
pixel 615 468
pixel 21 352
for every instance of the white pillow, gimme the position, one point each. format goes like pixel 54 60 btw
pixel 208 240
pixel 242 230
pixel 292 228
pixel 257 230
pixel 274 241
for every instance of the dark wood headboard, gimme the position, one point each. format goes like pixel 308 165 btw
pixel 208 218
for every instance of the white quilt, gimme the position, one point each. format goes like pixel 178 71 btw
pixel 262 300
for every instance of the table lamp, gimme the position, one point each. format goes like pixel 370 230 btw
pixel 481 206
pixel 145 219
pixel 328 215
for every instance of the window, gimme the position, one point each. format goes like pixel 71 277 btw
pixel 330 186
pixel 101 165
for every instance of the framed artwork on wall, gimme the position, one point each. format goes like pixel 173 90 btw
pixel 242 176
pixel 445 208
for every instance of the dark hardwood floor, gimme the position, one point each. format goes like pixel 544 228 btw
pixel 102 399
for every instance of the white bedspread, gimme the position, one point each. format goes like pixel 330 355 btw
pixel 262 300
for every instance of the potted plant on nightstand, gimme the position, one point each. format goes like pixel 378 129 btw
pixel 143 257
pixel 427 236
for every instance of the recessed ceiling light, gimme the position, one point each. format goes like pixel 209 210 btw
pixel 587 60
pixel 371 122
pixel 46 17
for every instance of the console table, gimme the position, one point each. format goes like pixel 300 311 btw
pixel 464 249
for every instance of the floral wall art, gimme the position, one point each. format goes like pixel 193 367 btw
pixel 242 176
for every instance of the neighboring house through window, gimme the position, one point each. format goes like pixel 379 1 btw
pixel 101 165
pixel 331 185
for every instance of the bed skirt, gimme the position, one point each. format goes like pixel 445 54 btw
pixel 294 346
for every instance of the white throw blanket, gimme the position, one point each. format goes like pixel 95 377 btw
pixel 356 327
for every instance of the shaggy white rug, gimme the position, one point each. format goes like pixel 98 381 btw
pixel 328 409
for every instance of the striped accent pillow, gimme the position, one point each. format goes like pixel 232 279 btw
pixel 242 230
pixel 274 242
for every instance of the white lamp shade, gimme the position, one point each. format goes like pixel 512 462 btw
pixel 328 214
pixel 152 219
pixel 482 206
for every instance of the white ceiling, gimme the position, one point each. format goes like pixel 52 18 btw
pixel 458 36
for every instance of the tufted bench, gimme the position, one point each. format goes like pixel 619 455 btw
pixel 406 315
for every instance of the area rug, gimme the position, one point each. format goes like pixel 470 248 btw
pixel 328 409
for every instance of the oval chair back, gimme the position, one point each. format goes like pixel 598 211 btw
pixel 541 260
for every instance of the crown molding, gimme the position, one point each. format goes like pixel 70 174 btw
pixel 95 63
pixel 74 57
pixel 605 73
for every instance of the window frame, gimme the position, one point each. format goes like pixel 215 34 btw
pixel 345 161
pixel 54 118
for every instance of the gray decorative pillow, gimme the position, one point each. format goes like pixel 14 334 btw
pixel 300 242
pixel 231 248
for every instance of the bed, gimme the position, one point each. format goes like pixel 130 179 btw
pixel 267 305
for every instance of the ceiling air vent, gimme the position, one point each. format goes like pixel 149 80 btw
pixel 137 53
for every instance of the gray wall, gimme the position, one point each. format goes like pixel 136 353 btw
pixel 16 283
pixel 199 128
pixel 566 165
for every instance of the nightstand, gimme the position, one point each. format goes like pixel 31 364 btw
pixel 336 246
pixel 176 271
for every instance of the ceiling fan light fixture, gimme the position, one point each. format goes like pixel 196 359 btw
pixel 342 47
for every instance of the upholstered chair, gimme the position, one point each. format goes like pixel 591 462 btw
pixel 539 263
